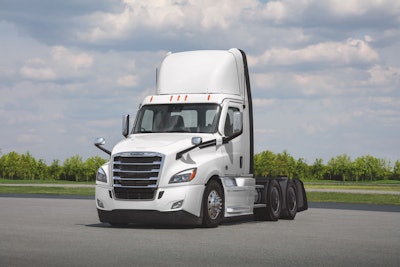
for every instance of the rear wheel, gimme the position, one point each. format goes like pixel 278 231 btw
pixel 273 201
pixel 213 205
pixel 291 201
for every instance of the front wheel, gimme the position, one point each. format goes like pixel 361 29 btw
pixel 213 205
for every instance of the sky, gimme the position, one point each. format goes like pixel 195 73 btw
pixel 325 75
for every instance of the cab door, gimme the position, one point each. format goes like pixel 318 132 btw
pixel 233 147
pixel 239 188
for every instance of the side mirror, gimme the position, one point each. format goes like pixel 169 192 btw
pixel 98 142
pixel 237 122
pixel 125 125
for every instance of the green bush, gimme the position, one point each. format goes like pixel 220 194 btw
pixel 339 168
pixel 25 167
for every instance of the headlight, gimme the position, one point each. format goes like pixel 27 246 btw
pixel 101 176
pixel 185 176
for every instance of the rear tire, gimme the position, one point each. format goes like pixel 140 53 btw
pixel 273 201
pixel 213 205
pixel 291 201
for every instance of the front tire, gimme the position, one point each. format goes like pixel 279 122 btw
pixel 213 205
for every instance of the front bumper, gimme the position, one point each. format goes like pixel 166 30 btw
pixel 160 209
pixel 148 217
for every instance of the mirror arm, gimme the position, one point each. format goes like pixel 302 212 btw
pixel 227 139
pixel 103 149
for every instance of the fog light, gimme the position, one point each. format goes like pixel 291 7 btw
pixel 177 204
pixel 100 203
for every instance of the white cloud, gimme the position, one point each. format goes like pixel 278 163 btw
pixel 42 73
pixel 351 51
pixel 368 38
pixel 60 63
pixel 312 129
pixel 361 7
pixel 385 76
pixel 222 14
pixel 170 15
pixel 263 102
pixel 302 83
pixel 29 138
pixel 127 81
pixel 275 11
pixel 62 56
pixel 136 14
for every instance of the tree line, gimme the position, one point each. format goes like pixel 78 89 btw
pixel 25 167
pixel 339 168
pixel 266 164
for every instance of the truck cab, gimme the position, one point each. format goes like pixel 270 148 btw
pixel 188 158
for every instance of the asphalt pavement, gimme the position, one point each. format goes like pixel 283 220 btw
pixel 39 231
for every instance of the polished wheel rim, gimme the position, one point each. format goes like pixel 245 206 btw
pixel 214 204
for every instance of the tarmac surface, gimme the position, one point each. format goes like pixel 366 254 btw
pixel 51 231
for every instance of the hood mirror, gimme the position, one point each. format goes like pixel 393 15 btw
pixel 197 141
pixel 99 141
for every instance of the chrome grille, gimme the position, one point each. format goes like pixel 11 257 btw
pixel 136 174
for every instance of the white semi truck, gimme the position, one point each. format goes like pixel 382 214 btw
pixel 189 157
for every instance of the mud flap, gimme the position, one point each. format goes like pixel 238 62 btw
pixel 302 203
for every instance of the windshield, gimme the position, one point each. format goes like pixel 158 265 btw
pixel 168 118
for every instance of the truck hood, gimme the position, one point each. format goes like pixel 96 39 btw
pixel 167 143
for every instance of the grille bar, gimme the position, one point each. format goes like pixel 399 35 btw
pixel 137 179
pixel 136 174
pixel 141 163
pixel 128 171
pixel 135 186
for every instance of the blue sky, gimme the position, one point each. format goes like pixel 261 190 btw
pixel 325 75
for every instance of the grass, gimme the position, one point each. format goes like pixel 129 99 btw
pixel 354 187
pixel 9 181
pixel 80 191
pixel 379 199
pixel 332 182
pixel 376 199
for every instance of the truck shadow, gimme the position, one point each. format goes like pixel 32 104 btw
pixel 142 226
pixel 227 222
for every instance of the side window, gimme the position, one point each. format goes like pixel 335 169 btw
pixel 229 121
